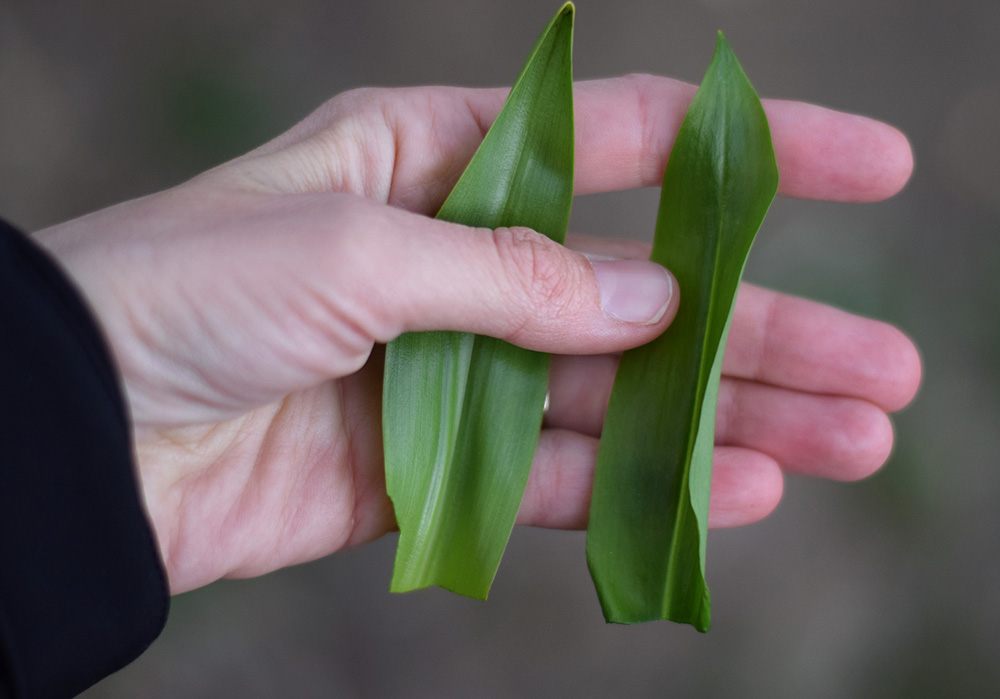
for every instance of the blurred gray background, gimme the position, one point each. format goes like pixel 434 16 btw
pixel 887 587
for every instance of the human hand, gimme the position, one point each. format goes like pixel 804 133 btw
pixel 245 310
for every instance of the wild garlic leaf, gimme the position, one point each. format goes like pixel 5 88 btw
pixel 649 512
pixel 462 413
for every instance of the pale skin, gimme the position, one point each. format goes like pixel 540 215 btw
pixel 246 309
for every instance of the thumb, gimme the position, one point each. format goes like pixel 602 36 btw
pixel 510 283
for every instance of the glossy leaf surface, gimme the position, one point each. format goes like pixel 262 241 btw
pixel 649 512
pixel 462 413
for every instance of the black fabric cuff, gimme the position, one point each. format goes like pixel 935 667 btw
pixel 82 587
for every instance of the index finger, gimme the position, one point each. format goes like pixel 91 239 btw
pixel 625 129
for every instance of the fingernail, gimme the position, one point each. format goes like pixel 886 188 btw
pixel 633 291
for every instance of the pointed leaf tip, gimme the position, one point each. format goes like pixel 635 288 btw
pixel 461 413
pixel 646 539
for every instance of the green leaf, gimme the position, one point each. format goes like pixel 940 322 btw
pixel 462 413
pixel 649 511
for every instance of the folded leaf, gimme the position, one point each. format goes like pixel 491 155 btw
pixel 462 413
pixel 649 512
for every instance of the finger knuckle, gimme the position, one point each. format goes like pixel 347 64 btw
pixel 360 99
pixel 543 279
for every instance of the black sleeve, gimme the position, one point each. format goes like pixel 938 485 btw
pixel 82 588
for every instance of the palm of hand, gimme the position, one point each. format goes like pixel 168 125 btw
pixel 281 484
pixel 242 475
pixel 299 476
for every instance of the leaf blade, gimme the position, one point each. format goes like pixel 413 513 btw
pixel 646 540
pixel 456 480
